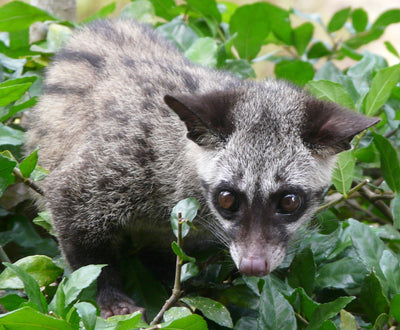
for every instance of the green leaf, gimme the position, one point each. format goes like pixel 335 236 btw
pixel 344 273
pixel 175 313
pixel 331 91
pixel 165 8
pixel 302 36
pixel 368 245
pixel 396 211
pixel 347 321
pixel 180 253
pixel 10 93
pixel 28 164
pixel 189 270
pixel 389 264
pixel 27 318
pixel 211 309
pixel 39 173
pixel 302 271
pixel 343 173
pixel 87 312
pixel 41 268
pixel 359 19
pixel 395 307
pixel 102 13
pixel 16 108
pixel 363 38
pixel 203 51
pixel 372 297
pixel 339 19
pixel 302 303
pixel 207 8
pixel 388 17
pixel 140 10
pixel 79 280
pixel 318 50
pixel 190 322
pixel 12 302
pixel 296 71
pixel 252 27
pixel 57 304
pixel 391 48
pixel 381 88
pixel 17 15
pixel 6 168
pixel 188 209
pixel 275 312
pixel 326 311
pixel 10 136
pixel 32 288
pixel 121 322
pixel 44 220
pixel 390 165
pixel 240 68
pixel 280 23
pixel 178 33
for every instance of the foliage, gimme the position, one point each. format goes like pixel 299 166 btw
pixel 344 273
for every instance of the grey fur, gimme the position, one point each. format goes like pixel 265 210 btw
pixel 120 156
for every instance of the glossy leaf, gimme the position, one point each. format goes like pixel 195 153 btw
pixel 188 209
pixel 389 162
pixel 343 174
pixel 10 136
pixel 189 270
pixel 28 164
pixel 211 309
pixel 302 271
pixel 190 322
pixel 203 51
pixel 396 211
pixel 275 312
pixel 87 312
pixel 381 88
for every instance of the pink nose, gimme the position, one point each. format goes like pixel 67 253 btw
pixel 253 266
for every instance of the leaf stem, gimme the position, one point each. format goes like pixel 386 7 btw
pixel 176 291
pixel 29 182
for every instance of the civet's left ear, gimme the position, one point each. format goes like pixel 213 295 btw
pixel 329 125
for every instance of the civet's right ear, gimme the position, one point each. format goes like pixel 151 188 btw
pixel 329 125
pixel 206 116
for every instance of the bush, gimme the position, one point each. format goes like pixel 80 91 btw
pixel 343 273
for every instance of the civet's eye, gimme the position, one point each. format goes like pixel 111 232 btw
pixel 289 203
pixel 227 200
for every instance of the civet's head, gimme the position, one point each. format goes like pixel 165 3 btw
pixel 264 154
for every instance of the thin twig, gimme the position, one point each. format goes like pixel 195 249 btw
pixel 378 203
pixel 29 182
pixel 342 198
pixel 176 291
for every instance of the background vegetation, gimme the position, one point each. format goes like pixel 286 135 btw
pixel 343 272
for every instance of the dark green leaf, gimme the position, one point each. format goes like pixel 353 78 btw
pixel 302 271
pixel 389 162
pixel 207 8
pixel 302 303
pixel 364 38
pixel 6 168
pixel 211 309
pixel 395 307
pixel 79 280
pixel 388 17
pixel 252 27
pixel 57 304
pixel 339 19
pixel 372 297
pixel 32 288
pixel 344 273
pixel 11 302
pixel 389 264
pixel 296 71
pixel 279 22
pixel 10 136
pixel 87 312
pixel 343 174
pixel 318 50
pixel 18 15
pixel 326 311
pixel 302 36
pixel 28 318
pixel 331 91
pixel 275 312
pixel 41 268
pixel 359 18
pixel 165 8
pixel 381 88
